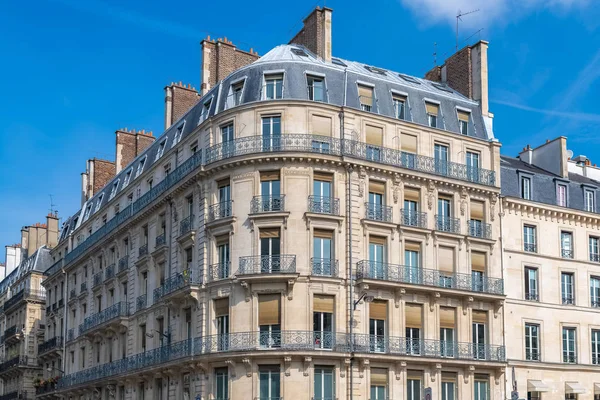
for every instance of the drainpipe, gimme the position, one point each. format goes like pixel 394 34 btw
pixel 501 216
pixel 350 278
pixel 65 315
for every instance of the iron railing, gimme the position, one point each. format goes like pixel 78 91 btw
pixel 447 224
pixel 479 229
pixel 378 212
pixel 323 205
pixel 566 253
pixel 25 294
pixel 118 310
pixel 530 247
pixel 54 268
pixel 261 204
pixel 72 294
pixel 428 277
pixel 186 224
pixel 109 272
pixel 50 344
pixel 160 240
pixel 533 355
pixel 532 296
pixel 324 267
pixel 568 300
pixel 595 302
pixel 413 218
pixel 595 257
pixel 97 279
pixel 267 264
pixel 83 287
pixel 220 210
pixel 10 332
pixel 124 263
pixel 61 302
pixel 18 360
pixel 143 250
pixel 569 358
pixel 178 281
pixel 70 334
pixel 219 271
pixel 141 302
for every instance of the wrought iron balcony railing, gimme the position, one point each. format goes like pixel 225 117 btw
pixel 413 218
pixel 124 263
pixel 160 240
pixel 115 311
pixel 143 250
pixel 71 334
pixel 267 264
pixel 428 277
pixel 378 212
pixel 566 253
pixel 109 273
pixel 178 281
pixel 569 358
pixel 97 279
pixel 262 204
pixel 594 257
pixel 54 307
pixel 10 332
pixel 568 300
pixel 18 360
pixel 72 294
pixel 479 229
pixel 403 346
pixel 61 302
pixel 83 287
pixel 220 210
pixel 51 344
pixel 532 296
pixel 533 355
pixel 141 302
pixel 25 294
pixel 219 271
pixel 530 247
pixel 447 224
pixel 324 267
pixel 324 205
pixel 186 225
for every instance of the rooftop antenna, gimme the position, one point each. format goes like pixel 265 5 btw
pixel 434 54
pixel 458 18
pixel 53 211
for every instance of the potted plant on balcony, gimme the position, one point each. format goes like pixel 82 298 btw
pixel 37 382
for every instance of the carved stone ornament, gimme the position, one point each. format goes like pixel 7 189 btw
pixel 362 174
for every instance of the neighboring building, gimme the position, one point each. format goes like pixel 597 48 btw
pixel 551 234
pixel 216 264
pixel 22 300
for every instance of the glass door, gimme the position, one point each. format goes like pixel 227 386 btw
pixel 447 342
pixel 411 209
pixel 444 215
pixel 441 159
pixel 324 383
pixel 479 345
pixel 322 200
pixel 322 256
pixel 223 252
pixel 323 329
pixel 270 255
pixel 271 133
pixel 413 270
pixel 375 210
pixel 472 161
pixel 376 261
pixel 269 385
pixel 222 384
pixel 271 195
pixel 413 341
pixel 377 332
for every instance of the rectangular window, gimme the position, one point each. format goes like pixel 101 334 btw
pixel 224 260
pixel 440 155
pixel 374 142
pixel 269 320
pixel 449 386
pixel 532 342
pixel 379 384
pixel 127 177
pixel 321 126
pixel 222 320
pixel 414 323
pixel 595 346
pixel 377 258
pixel 408 144
pixel 365 97
pixel 594 249
pixel 324 383
pixel 377 323
pixel 322 261
pixel 566 244
pixel 269 383
pixel 399 106
pixel 561 195
pixel 595 291
pixel 323 321
pixel 473 164
pixel 414 385
pixel 376 209
pixel 140 167
pixel 569 345
pixel 567 289
pixel 432 114
pixel 479 334
pixel 529 238
pixel 481 388
pixel 235 97
pixel 113 191
pixel 412 263
pixel 531 284
pixel 271 133
pixel 316 88
pixel 590 201
pixel 447 331
pixel 221 384
pixel 161 149
pixel 205 110
pixel 525 188
pixel 463 122
pixel 273 87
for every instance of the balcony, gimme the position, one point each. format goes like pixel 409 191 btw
pixel 533 355
pixel 54 344
pixel 11 332
pixel 123 264
pixel 141 302
pixel 113 313
pixel 83 288
pixel 71 334
pixel 72 294
pixel 428 277
pixel 109 273
pixel 413 218
pixel 219 271
pixel 188 279
pixel 530 247
pixel 566 253
pixel 324 267
pixel 143 250
pixel 378 212
pixel 18 361
pixel 532 296
pixel 97 280
pixel 568 300
pixel 187 231
pixel 220 211
pixel 161 240
pixel 160 249
pixel 54 268
pixel 479 229
pixel 267 264
pixel 594 257
pixel 324 205
pixel 447 224
pixel 265 204
pixel 428 348
pixel 25 294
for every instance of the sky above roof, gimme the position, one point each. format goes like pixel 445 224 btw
pixel 74 72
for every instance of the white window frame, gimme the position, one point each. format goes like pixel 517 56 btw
pixel 114 189
pixel 562 202
pixel 230 101
pixel 178 134
pixel 268 76
pixel 127 177
pixel 161 149
pixel 590 200
pixel 205 110
pixel 99 202
pixel 140 167
pixel 525 195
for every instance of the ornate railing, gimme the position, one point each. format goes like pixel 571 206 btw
pixel 378 212
pixel 72 294
pixel 324 267
pixel 324 205
pixel 179 280
pixel 10 332
pixel 566 253
pixel 219 271
pixel 18 360
pixel 109 273
pixel 268 264
pixel 479 229
pixel 124 263
pixel 594 257
pixel 83 287
pixel 428 277
pixel 220 210
pixel 115 311
pixel 61 302
pixel 97 279
pixel 530 247
pixel 413 218
pixel 186 224
pixel 447 224
pixel 71 334
pixel 28 294
pixel 533 355
pixel 160 240
pixel 143 250
pixel 51 344
pixel 532 296
pixel 261 204
pixel 568 300
pixel 54 268
pixel 141 302
pixel 403 346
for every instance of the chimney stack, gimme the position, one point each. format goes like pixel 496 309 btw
pixel 315 34
pixel 179 98
pixel 130 144
pixel 52 230
pixel 13 259
pixel 98 173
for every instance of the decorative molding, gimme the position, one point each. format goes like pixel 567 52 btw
pixel 362 174
pixel 307 363
pixel 290 288
pixel 231 364
pixel 469 373
pixel 346 366
pixel 464 195
pixel 248 366
pixel 364 364
pixel 493 200
pixel 287 362
pixel 497 306
pixel 245 175
pixel 497 375
pixel 295 172
pixel 433 374
pixel 431 192
pixel 433 299
pixel 247 290
pixel 398 295
pixel 400 368
pixel 467 303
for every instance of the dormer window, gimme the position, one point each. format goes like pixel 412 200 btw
pixel 113 191
pixel 273 87
pixel 365 97
pixel 205 110
pixel 235 94
pixel 99 203
pixel 127 177
pixel 463 122
pixel 561 195
pixel 88 210
pixel 178 134
pixel 316 88
pixel 432 114
pixel 161 149
pixel 399 106
pixel 140 167
pixel 590 200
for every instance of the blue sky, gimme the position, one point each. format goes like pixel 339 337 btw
pixel 74 72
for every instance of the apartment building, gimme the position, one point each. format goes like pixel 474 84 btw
pixel 308 228
pixel 550 235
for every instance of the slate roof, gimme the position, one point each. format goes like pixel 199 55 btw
pixel 38 261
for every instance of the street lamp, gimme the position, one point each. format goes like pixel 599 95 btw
pixel 50 369
pixel 164 335
pixel 368 299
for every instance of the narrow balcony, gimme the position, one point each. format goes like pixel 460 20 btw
pixel 18 361
pixel 71 334
pixel 187 231
pixel 220 211
pixel 267 264
pixel 378 212
pixel 83 288
pixel 323 205
pixel 161 240
pixel 428 348
pixel 412 218
pixel 123 265
pixel 108 316
pixel 444 223
pixel 532 296
pixel 72 294
pixel 325 267
pixel 141 302
pixel 161 249
pixel 181 284
pixel 566 253
pixel 219 271
pixel 97 280
pixel 143 250
pixel 25 294
pixel 479 229
pixel 535 355
pixel 109 273
pixel 50 345
pixel 409 275
pixel 530 247
pixel 267 204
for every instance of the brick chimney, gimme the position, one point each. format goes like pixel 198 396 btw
pixel 466 71
pixel 179 98
pixel 97 174
pixel 52 230
pixel 220 58
pixel 315 35
pixel 130 144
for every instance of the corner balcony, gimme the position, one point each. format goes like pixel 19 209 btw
pixel 413 219
pixel 51 346
pixel 378 212
pixel 38 296
pixel 13 334
pixel 220 214
pixel 479 229
pixel 187 231
pixel 416 278
pixel 324 267
pixel 447 224
pixel 428 348
pixel 111 317
pixel 16 362
pixel 219 271
pixel 179 286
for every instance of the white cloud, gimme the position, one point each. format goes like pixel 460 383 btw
pixel 491 12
